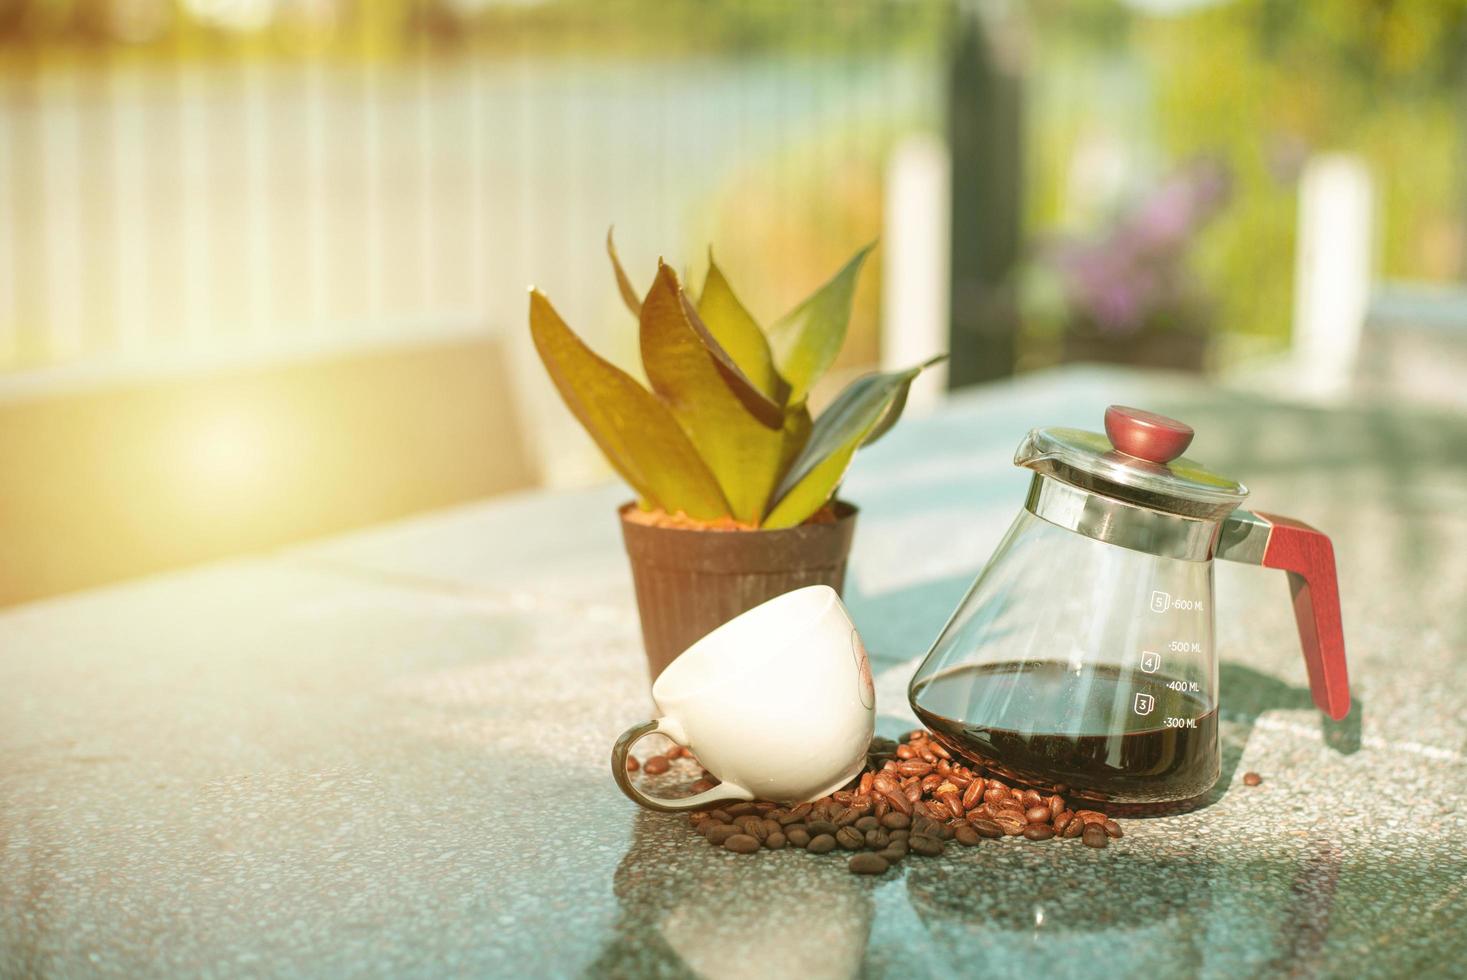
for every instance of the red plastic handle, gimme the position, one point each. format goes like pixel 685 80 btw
pixel 1309 558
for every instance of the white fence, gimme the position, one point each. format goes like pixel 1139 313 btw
pixel 151 211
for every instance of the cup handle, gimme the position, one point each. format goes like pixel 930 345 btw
pixel 722 793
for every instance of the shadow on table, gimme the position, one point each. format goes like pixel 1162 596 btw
pixel 686 908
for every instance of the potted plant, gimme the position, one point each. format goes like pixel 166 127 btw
pixel 735 481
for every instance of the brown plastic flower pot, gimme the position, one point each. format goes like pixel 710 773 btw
pixel 689 582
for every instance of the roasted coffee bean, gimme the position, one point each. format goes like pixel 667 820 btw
pixel 900 835
pixel 937 748
pixel 877 839
pixel 720 832
pixel 896 821
pixel 934 810
pixel 922 844
pixel 772 826
pixel 846 817
pixel 972 795
pixel 868 864
pixel 1031 798
pixel 912 791
pixel 995 795
pixel 1094 835
pixel 861 804
pixel 722 816
pixel 891 855
pixel 884 784
pixel 655 766
pixel 1075 828
pixel 1039 831
pixel 1062 821
pixel 864 786
pixel 739 809
pixel 943 832
pixel 776 841
pixel 931 781
pixel 914 767
pixel 742 844
pixel 1012 812
pixel 752 826
pixel 702 786
pixel 904 752
pixel 632 764
pixel 954 805
pixel 818 827
pixel 925 753
pixel 850 838
pixel 843 797
pixel 1112 829
pixel 821 844
pixel 1056 806
pixel 797 835
pixel 966 835
pixel 1090 816
pixel 881 807
pixel 867 823
pixel 986 828
pixel 1012 825
pixel 899 803
pixel 1251 779
pixel 1037 814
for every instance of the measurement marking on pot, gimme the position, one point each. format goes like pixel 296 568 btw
pixel 1190 605
pixel 1184 685
pixel 1184 646
pixel 1179 722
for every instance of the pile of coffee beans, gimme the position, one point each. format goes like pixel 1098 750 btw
pixel 914 797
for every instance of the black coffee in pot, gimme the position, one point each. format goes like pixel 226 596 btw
pixel 1045 723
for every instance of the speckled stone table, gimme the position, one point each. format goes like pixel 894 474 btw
pixel 386 753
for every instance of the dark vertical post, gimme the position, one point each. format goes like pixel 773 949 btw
pixel 985 133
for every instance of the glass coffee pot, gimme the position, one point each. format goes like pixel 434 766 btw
pixel 1081 659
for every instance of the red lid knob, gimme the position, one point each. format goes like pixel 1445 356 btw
pixel 1146 435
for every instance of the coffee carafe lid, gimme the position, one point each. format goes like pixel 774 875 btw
pixel 1138 460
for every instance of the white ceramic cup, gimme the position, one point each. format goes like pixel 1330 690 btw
pixel 777 703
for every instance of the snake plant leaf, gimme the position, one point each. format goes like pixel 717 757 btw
pixel 743 453
pixel 629 294
pixel 867 408
pixel 806 340
pixel 758 404
pixel 899 403
pixel 636 432
pixel 797 426
pixel 738 333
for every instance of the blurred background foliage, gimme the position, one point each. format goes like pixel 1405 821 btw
pixel 1117 95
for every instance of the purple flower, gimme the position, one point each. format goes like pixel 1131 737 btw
pixel 1134 274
